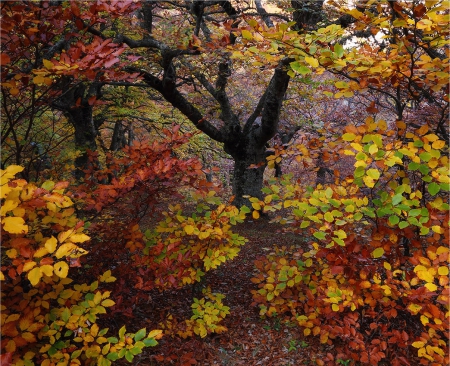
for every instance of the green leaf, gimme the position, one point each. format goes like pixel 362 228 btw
pixel 359 171
pixel 319 235
pixel 425 156
pixel 403 224
pixel 397 199
pixel 415 212
pixel 424 169
pixel 348 136
pixel 377 253
pixel 328 217
pixel 150 342
pixel 129 356
pixel 76 354
pixel 65 315
pixel 122 332
pixel 339 50
pixel 48 185
pixel 304 224
pixel 140 334
pixel 394 220
pixel 112 356
pixel 433 188
pixel 299 68
pixel 373 173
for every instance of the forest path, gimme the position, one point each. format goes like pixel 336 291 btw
pixel 250 340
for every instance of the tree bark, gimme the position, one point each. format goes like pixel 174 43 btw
pixel 74 103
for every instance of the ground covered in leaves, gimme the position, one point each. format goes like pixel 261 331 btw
pixel 250 340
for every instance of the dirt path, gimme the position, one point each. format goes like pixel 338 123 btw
pixel 249 340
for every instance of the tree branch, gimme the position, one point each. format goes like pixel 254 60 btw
pixel 175 98
pixel 272 103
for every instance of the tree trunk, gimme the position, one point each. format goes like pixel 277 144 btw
pixel 74 103
pixel 85 133
pixel 247 181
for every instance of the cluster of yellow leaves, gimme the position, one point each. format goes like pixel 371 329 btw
pixel 51 323
pixel 40 207
pixel 208 313
pixel 206 239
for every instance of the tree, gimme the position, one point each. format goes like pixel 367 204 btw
pixel 65 71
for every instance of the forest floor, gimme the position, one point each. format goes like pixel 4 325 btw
pixel 250 340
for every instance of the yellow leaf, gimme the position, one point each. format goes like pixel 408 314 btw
pixel 312 61
pixel 15 225
pixel 387 266
pixel 439 144
pixel 246 34
pixel 28 355
pixel 34 276
pixel 377 253
pixel 11 253
pixel 256 206
pixel 306 332
pixel 2 276
pixel 47 270
pixel 64 235
pixel 348 136
pixel 11 346
pixel 29 337
pixel 11 171
pixel 373 149
pixel 38 79
pixel 424 319
pixel 61 269
pixel 443 271
pixel 335 307
pixel 27 266
pixel 94 330
pixel 189 229
pixel 431 287
pixel 50 244
pixel 65 250
pixel 382 125
pixel 156 333
pixel 107 303
pixel 418 344
pixel 368 181
pixel 255 214
pixel 47 64
pixel 9 205
pixel 79 238
pixel 40 252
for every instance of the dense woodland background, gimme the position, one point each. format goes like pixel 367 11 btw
pixel 232 182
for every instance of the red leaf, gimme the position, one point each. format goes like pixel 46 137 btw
pixel 111 62
pixel 6 358
pixel 75 9
pixel 5 59
pixel 92 100
pixel 336 270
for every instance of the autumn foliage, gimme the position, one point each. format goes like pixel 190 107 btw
pixel 372 281
pixel 45 318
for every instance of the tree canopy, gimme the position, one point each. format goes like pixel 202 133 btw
pixel 137 135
